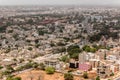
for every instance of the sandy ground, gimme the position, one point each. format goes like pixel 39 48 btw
pixel 41 75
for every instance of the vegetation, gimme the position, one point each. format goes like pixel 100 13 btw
pixel 2 29
pixel 42 32
pixel 30 21
pixel 74 51
pixel 97 78
pixel 66 39
pixel 12 78
pixel 27 66
pixel 7 50
pixel 112 74
pixel 104 31
pixel 1 67
pixel 10 69
pixel 61 44
pixel 65 58
pixel 89 49
pixel 42 66
pixel 30 48
pixel 68 76
pixel 6 72
pixel 50 70
pixel 93 48
pixel 60 50
pixel 85 75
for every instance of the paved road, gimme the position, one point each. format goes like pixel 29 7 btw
pixel 46 57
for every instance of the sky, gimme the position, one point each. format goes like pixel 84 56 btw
pixel 60 2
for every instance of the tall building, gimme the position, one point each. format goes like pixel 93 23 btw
pixel 82 57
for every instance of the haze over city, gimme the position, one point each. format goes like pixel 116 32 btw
pixel 61 2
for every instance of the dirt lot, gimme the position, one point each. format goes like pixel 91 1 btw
pixel 41 75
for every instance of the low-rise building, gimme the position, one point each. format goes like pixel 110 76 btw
pixel 103 70
pixel 53 63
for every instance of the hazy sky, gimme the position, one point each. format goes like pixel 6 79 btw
pixel 59 2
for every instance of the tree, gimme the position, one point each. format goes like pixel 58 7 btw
pixel 85 75
pixel 86 48
pixel 9 68
pixel 61 44
pixel 30 48
pixel 35 65
pixel 74 51
pixel 42 66
pixel 1 67
pixel 112 74
pixel 17 78
pixel 97 78
pixel 89 49
pixel 105 56
pixel 41 32
pixel 50 70
pixel 6 72
pixel 93 50
pixel 68 76
pixel 30 21
pixel 64 58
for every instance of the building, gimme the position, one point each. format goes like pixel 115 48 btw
pixel 53 63
pixel 85 67
pixel 83 57
pixel 103 70
pixel 73 64
pixel 94 63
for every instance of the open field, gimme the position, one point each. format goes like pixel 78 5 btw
pixel 41 75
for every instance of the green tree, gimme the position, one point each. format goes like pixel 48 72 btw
pixel 89 49
pixel 50 70
pixel 85 75
pixel 1 67
pixel 30 48
pixel 64 58
pixel 112 74
pixel 17 78
pixel 84 47
pixel 68 76
pixel 74 51
pixel 97 78
pixel 93 50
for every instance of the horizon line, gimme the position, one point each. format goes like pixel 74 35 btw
pixel 80 5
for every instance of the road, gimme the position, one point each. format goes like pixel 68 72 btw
pixel 46 57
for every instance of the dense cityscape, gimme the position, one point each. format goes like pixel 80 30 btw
pixel 59 43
